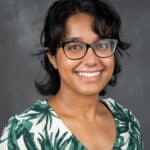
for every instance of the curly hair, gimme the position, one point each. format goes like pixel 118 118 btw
pixel 106 24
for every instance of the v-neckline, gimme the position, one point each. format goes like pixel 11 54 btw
pixel 74 136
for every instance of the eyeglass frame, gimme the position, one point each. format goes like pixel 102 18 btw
pixel 62 45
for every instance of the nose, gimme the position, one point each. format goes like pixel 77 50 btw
pixel 90 58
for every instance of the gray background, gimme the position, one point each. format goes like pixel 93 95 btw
pixel 20 27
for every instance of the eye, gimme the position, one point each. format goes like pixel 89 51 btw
pixel 102 45
pixel 74 46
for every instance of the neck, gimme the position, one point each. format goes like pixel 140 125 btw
pixel 75 105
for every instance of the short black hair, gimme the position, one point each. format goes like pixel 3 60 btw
pixel 106 24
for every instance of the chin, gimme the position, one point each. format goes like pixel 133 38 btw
pixel 89 91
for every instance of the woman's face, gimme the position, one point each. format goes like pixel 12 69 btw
pixel 86 76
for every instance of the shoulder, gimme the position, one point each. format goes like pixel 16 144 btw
pixel 120 112
pixel 23 128
pixel 38 127
pixel 31 116
pixel 127 125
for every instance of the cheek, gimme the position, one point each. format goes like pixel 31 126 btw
pixel 65 65
pixel 109 63
pixel 112 65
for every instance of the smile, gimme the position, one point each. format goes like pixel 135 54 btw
pixel 89 74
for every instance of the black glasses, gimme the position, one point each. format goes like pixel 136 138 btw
pixel 77 50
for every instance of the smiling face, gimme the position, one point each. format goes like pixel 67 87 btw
pixel 86 76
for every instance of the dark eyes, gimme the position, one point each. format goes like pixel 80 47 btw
pixel 77 46
pixel 74 46
pixel 101 46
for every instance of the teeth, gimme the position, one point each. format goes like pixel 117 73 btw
pixel 88 74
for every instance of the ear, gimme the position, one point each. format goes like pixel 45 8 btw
pixel 52 59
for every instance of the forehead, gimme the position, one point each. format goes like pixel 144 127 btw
pixel 80 25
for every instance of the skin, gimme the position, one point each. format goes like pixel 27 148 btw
pixel 77 101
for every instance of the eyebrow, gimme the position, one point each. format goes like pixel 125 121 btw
pixel 76 39
pixel 72 39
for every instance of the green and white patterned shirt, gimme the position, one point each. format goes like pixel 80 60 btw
pixel 40 128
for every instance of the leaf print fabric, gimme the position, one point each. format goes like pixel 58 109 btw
pixel 40 128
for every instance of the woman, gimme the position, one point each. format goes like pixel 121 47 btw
pixel 82 44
